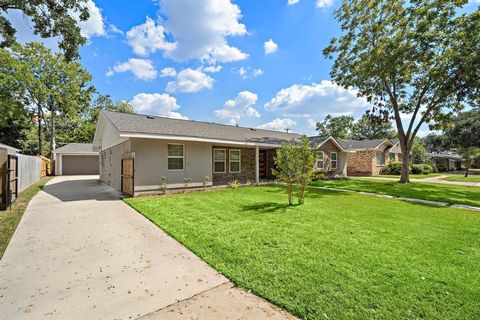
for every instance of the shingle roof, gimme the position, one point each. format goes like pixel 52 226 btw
pixel 75 148
pixel 316 140
pixel 136 123
pixel 360 144
pixel 452 156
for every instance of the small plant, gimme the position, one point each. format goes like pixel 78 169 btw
pixel 318 175
pixel 206 179
pixel 187 181
pixel 249 183
pixel 163 185
pixel 234 184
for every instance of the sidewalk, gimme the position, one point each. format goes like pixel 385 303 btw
pixel 437 179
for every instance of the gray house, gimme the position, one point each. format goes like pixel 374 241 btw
pixel 75 159
pixel 136 151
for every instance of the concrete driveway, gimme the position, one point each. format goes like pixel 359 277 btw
pixel 81 253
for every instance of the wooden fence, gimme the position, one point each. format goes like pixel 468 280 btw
pixel 47 166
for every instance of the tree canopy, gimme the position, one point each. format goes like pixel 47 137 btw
pixel 345 127
pixel 417 59
pixel 50 18
pixel 338 127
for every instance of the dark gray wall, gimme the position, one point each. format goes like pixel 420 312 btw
pixel 76 165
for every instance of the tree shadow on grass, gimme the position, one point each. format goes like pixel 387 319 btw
pixel 267 207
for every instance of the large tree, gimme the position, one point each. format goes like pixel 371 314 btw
pixel 368 128
pixel 50 18
pixel 338 127
pixel 418 59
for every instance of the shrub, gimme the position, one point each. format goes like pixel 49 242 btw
pixel 434 168
pixel 163 185
pixel 416 168
pixel 234 184
pixel 427 169
pixel 186 181
pixel 318 175
pixel 442 169
pixel 205 182
pixel 394 168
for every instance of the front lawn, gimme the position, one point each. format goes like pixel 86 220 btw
pixel 338 256
pixel 412 176
pixel 10 218
pixel 461 178
pixel 420 190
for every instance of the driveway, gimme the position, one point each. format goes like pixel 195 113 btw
pixel 81 253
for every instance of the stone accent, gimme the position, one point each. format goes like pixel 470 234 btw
pixel 247 169
pixel 327 148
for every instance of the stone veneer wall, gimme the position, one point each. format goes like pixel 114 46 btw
pixel 247 167
pixel 327 148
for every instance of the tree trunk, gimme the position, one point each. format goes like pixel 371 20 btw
pixel 39 119
pixel 301 191
pixel 466 171
pixel 405 177
pixel 289 192
pixel 52 133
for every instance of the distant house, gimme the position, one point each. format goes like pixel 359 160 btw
pixel 76 159
pixel 136 151
pixel 446 161
pixel 369 157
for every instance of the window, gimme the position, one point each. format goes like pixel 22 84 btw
pixel 234 160
pixel 219 160
pixel 320 156
pixel 380 158
pixel 333 160
pixel 175 157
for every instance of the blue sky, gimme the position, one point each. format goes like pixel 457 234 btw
pixel 252 63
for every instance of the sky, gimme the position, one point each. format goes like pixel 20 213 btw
pixel 251 63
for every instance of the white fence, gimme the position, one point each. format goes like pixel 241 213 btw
pixel 29 171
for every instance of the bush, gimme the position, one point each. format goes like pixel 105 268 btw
pixel 394 168
pixel 434 168
pixel 442 169
pixel 416 168
pixel 318 175
pixel 427 169
pixel 234 184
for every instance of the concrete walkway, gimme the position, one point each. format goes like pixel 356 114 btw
pixel 81 253
pixel 437 179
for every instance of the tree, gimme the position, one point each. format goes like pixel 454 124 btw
pixel 415 58
pixel 365 128
pixel 50 19
pixel 419 152
pixel 286 166
pixel 464 130
pixel 338 127
pixel 306 160
pixel 436 143
pixel 468 155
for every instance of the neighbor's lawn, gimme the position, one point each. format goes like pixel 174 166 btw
pixel 419 190
pixel 338 256
pixel 412 176
pixel 461 178
pixel 9 219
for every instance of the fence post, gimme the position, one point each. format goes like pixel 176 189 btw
pixel 3 178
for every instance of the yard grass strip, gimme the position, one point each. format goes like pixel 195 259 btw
pixel 452 194
pixel 341 255
pixel 10 218
pixel 462 178
pixel 412 176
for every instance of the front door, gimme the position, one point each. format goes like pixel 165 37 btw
pixel 262 164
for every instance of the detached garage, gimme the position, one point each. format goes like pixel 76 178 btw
pixel 76 159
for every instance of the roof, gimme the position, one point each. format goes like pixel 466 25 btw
pixel 452 156
pixel 316 141
pixel 360 144
pixel 154 125
pixel 8 147
pixel 75 148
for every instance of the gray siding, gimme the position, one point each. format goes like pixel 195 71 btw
pixel 29 171
pixel 111 164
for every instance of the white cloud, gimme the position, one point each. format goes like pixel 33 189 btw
pixel 324 3
pixel 290 2
pixel 190 80
pixel 248 72
pixel 142 68
pixel 160 104
pixel 241 106
pixel 242 72
pixel 148 38
pixel 317 100
pixel 278 124
pixel 257 72
pixel 168 72
pixel 94 25
pixel 270 46
pixel 211 69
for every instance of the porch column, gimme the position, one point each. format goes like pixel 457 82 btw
pixel 257 168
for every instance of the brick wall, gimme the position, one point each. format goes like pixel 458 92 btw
pixel 360 163
pixel 247 165
pixel 327 148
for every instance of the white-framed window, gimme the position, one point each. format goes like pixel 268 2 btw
pixel 380 158
pixel 333 160
pixel 176 157
pixel 110 155
pixel 320 164
pixel 234 160
pixel 219 160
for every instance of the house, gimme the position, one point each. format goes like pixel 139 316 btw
pixel 76 159
pixel 369 157
pixel 331 157
pixel 446 161
pixel 136 151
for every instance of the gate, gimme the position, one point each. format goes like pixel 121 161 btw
pixel 128 176
pixel 9 190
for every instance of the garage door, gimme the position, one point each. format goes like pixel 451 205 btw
pixel 72 165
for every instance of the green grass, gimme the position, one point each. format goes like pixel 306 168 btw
pixel 412 176
pixel 9 219
pixel 420 190
pixel 338 256
pixel 461 178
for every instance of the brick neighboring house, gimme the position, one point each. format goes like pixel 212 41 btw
pixel 368 157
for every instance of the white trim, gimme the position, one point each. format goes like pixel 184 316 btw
pixel 77 153
pixel 239 160
pixel 224 161
pixel 177 157
pixel 184 138
pixel 323 160
pixel 336 160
